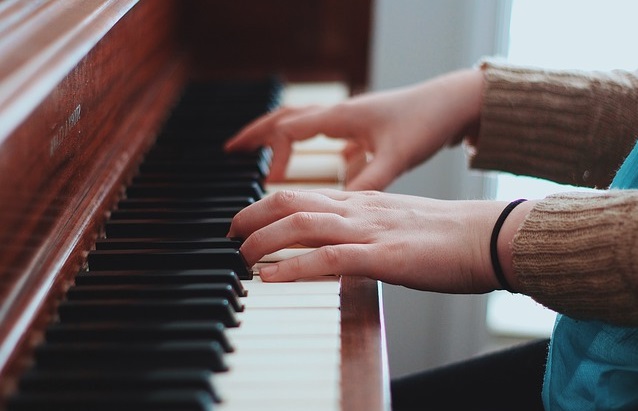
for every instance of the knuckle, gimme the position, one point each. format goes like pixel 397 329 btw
pixel 371 194
pixel 283 199
pixel 281 126
pixel 302 220
pixel 255 239
pixel 294 265
pixel 341 108
pixel 330 256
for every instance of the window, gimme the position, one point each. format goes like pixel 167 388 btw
pixel 580 34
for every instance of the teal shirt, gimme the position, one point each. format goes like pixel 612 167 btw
pixel 593 365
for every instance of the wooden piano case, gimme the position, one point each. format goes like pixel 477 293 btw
pixel 85 85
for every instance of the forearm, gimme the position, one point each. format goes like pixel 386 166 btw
pixel 576 254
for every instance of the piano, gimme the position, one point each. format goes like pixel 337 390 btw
pixel 118 288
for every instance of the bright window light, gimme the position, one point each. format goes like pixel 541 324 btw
pixel 562 34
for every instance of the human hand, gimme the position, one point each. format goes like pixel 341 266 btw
pixel 417 242
pixel 399 128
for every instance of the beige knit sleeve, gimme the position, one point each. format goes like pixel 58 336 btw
pixel 577 253
pixel 567 126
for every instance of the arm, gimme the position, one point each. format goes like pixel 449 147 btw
pixel 573 252
pixel 420 243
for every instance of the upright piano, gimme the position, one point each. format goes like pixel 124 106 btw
pixel 118 287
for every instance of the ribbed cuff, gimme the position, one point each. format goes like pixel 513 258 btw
pixel 567 126
pixel 576 253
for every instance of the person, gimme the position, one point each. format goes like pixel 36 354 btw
pixel 574 252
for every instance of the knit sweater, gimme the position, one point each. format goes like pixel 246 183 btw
pixel 576 253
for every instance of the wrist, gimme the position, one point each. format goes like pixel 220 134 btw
pixel 467 110
pixel 505 239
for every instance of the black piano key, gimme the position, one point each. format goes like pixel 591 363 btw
pixel 195 190
pixel 185 228
pixel 186 157
pixel 100 260
pixel 205 114
pixel 200 151
pixel 166 400
pixel 162 277
pixel 175 214
pixel 155 178
pixel 129 356
pixel 166 243
pixel 109 332
pixel 198 133
pixel 258 92
pixel 193 309
pixel 117 381
pixel 156 292
pixel 231 166
pixel 178 203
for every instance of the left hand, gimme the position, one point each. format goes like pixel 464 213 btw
pixel 396 129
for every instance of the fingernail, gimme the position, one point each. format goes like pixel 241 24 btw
pixel 268 271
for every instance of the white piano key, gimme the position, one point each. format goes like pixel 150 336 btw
pixel 273 389
pixel 316 285
pixel 314 329
pixel 307 185
pixel 292 301
pixel 308 93
pixel 302 342
pixel 254 357
pixel 307 315
pixel 281 386
pixel 254 374
pixel 280 402
pixel 316 166
pixel 251 373
pixel 319 144
pixel 285 254
pixel 281 373
pixel 315 288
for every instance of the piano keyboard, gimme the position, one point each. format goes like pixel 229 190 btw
pixel 168 316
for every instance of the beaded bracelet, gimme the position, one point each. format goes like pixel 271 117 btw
pixel 498 270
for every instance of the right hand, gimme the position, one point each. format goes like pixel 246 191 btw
pixel 417 242
pixel 399 128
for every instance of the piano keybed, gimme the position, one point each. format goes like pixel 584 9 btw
pixel 168 316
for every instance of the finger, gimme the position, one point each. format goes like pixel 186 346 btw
pixel 281 151
pixel 342 259
pixel 256 133
pixel 273 126
pixel 356 161
pixel 279 205
pixel 334 194
pixel 307 229
pixel 376 175
pixel 329 121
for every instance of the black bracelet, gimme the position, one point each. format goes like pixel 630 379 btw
pixel 498 270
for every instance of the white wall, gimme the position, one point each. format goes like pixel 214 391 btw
pixel 415 40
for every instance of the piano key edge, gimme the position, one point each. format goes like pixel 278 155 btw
pixel 365 377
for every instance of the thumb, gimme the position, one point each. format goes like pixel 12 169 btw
pixel 377 175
